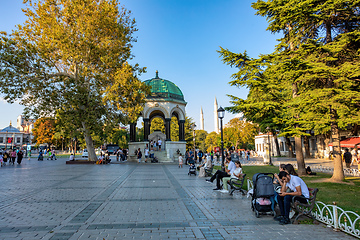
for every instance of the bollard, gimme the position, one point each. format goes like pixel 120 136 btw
pixel 335 214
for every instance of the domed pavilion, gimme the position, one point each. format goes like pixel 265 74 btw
pixel 164 101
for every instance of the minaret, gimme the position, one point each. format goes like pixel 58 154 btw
pixel 201 119
pixel 216 120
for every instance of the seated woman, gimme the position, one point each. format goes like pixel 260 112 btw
pixel 207 164
pixel 237 174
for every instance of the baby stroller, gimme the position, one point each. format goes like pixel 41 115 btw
pixel 192 168
pixel 263 197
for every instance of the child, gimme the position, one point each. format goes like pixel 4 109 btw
pixel 180 160
pixel 71 158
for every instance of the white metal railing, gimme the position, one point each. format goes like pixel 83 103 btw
pixel 333 216
pixel 330 170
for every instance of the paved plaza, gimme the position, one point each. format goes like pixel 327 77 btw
pixel 52 200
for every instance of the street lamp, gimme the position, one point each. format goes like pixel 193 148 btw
pixel 221 114
pixel 270 163
pixel 193 126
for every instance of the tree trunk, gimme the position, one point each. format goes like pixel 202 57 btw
pixel 307 146
pixel 277 150
pixel 288 144
pixel 338 174
pixel 299 156
pixel 89 144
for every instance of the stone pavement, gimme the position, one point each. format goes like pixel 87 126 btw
pixel 52 200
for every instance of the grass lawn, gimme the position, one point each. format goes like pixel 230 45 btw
pixel 346 195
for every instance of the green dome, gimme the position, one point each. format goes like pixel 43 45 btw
pixel 161 88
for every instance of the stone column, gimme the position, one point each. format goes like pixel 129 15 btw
pixel 146 129
pixel 167 129
pixel 132 132
pixel 182 130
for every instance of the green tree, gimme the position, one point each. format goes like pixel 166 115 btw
pixel 212 140
pixel 239 133
pixel 200 136
pixel 70 58
pixel 318 40
pixel 189 133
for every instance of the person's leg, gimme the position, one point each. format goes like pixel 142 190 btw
pixel 280 200
pixel 287 205
pixel 214 176
pixel 225 180
pixel 220 177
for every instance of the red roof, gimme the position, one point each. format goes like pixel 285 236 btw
pixel 349 142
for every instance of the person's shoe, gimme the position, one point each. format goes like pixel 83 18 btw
pixel 217 189
pixel 224 191
pixel 208 180
pixel 278 218
pixel 285 221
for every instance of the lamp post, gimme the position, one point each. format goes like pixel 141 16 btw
pixel 221 114
pixel 193 126
pixel 270 163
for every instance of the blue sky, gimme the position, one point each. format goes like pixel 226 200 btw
pixel 179 38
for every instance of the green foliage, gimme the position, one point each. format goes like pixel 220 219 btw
pixel 239 133
pixel 70 59
pixel 212 140
pixel 200 136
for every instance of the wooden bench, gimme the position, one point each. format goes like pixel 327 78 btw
pixel 237 184
pixel 305 208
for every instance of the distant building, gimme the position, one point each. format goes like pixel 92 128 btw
pixel 11 137
pixel 25 125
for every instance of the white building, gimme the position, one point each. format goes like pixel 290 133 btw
pixel 11 137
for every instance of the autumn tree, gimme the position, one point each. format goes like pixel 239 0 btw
pixel 71 59
pixel 44 131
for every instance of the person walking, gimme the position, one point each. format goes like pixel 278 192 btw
pixel 20 156
pixel 146 152
pixel 1 159
pixel 180 160
pixel 53 156
pixel 347 157
pixel 13 156
pixel 5 157
pixel 139 155
pixel 159 143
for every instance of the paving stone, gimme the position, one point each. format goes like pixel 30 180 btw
pixel 52 200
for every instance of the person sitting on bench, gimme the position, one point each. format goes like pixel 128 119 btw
pixel 298 188
pixel 220 174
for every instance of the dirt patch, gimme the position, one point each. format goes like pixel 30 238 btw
pixel 322 180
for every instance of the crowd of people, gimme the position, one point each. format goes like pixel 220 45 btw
pixel 11 156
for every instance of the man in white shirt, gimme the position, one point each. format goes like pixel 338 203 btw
pixel 298 189
pixel 159 143
pixel 220 174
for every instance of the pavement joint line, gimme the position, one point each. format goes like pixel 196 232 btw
pixel 95 201
pixel 37 191
pixel 189 204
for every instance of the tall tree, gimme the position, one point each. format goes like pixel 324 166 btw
pixel 70 58
pixel 319 45
pixel 212 140
pixel 44 131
